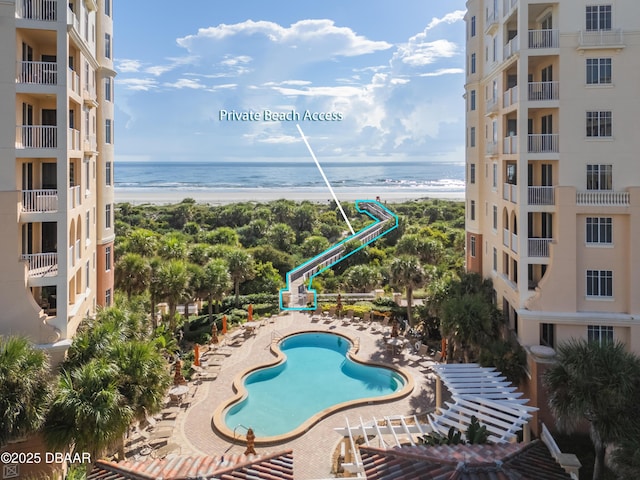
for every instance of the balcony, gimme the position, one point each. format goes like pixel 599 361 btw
pixel 510 97
pixel 514 243
pixel 73 23
pixel 73 139
pixel 543 143
pixel 510 192
pixel 601 39
pixel 90 143
pixel 511 48
pixel 539 247
pixel 506 237
pixel 73 82
pixel 491 22
pixel 36 136
pixel 507 6
pixel 42 10
pixel 78 251
pixel 41 264
pixel 603 198
pixel 544 39
pixel 37 73
pixel 491 148
pixel 539 91
pixel 491 106
pixel 541 196
pixel 39 201
pixel 72 256
pixel 510 145
pixel 74 197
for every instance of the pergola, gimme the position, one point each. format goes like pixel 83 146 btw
pixel 475 391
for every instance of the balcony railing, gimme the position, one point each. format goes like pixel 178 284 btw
pixel 541 196
pixel 539 247
pixel 544 38
pixel 491 148
pixel 72 256
pixel 601 38
pixel 511 48
pixel 510 97
pixel 73 22
pixel 543 143
pixel 506 236
pixel 510 192
pixel 514 243
pixel 74 197
pixel 37 73
pixel 492 105
pixel 508 5
pixel 606 198
pixel 39 201
pixel 36 136
pixel 510 145
pixel 73 139
pixel 73 82
pixel 544 91
pixel 491 20
pixel 78 252
pixel 45 10
pixel 41 264
pixel 90 143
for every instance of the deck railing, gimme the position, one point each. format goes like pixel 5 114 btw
pixel 44 10
pixel 510 97
pixel 539 247
pixel 511 48
pixel 604 198
pixel 510 145
pixel 73 139
pixel 37 201
pixel 73 82
pixel 74 197
pixel 514 242
pixel 544 91
pixel 36 136
pixel 41 264
pixel 543 143
pixel 600 38
pixel 37 73
pixel 544 38
pixel 541 196
pixel 491 148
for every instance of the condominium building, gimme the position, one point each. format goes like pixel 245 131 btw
pixel 553 179
pixel 56 167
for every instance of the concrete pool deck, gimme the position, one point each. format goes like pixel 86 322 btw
pixel 313 450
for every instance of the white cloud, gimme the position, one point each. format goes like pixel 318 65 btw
pixel 127 65
pixel 418 53
pixel 225 86
pixel 443 71
pixel 341 91
pixel 185 83
pixel 449 18
pixel 139 84
pixel 230 61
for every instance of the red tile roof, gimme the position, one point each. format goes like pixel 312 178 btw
pixel 463 462
pixel 277 466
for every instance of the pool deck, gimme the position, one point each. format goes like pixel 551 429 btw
pixel 313 450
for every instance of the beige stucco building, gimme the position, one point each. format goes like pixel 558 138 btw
pixel 553 179
pixel 56 166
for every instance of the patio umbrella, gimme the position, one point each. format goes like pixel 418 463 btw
pixel 196 355
pixel 250 313
pixel 251 439
pixel 214 333
pixel 224 324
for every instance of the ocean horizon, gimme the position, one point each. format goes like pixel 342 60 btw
pixel 384 176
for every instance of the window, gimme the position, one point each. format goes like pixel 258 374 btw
pixel 107 45
pixel 599 177
pixel 547 334
pixel 599 17
pixel 472 137
pixel 599 230
pixel 107 216
pixel 473 26
pixel 598 71
pixel 107 8
pixel 495 217
pixel 495 259
pixel 495 176
pixel 472 67
pixel 494 49
pixel 600 334
pixel 108 86
pixel 87 222
pixel 598 124
pixel 107 259
pixel 472 173
pixel 599 283
pixel 472 246
pixel 87 271
pixel 473 100
pixel 107 130
pixel 107 173
pixel 472 209
pixel 107 298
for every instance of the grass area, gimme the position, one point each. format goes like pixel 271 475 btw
pixel 580 445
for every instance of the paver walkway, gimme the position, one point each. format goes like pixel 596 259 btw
pixel 313 451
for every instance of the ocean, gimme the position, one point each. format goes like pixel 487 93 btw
pixel 380 176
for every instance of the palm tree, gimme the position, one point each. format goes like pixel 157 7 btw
pixel 88 412
pixel 363 278
pixel 408 273
pixel 132 274
pixel 598 383
pixel 173 279
pixel 217 282
pixel 241 268
pixel 24 388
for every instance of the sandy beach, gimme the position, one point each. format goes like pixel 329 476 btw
pixel 227 195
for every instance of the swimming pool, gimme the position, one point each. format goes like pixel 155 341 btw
pixel 317 377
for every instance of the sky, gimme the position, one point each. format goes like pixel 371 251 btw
pixel 389 76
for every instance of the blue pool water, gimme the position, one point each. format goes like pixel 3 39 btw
pixel 316 375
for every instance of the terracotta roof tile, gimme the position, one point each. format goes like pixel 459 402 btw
pixel 463 462
pixel 276 466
